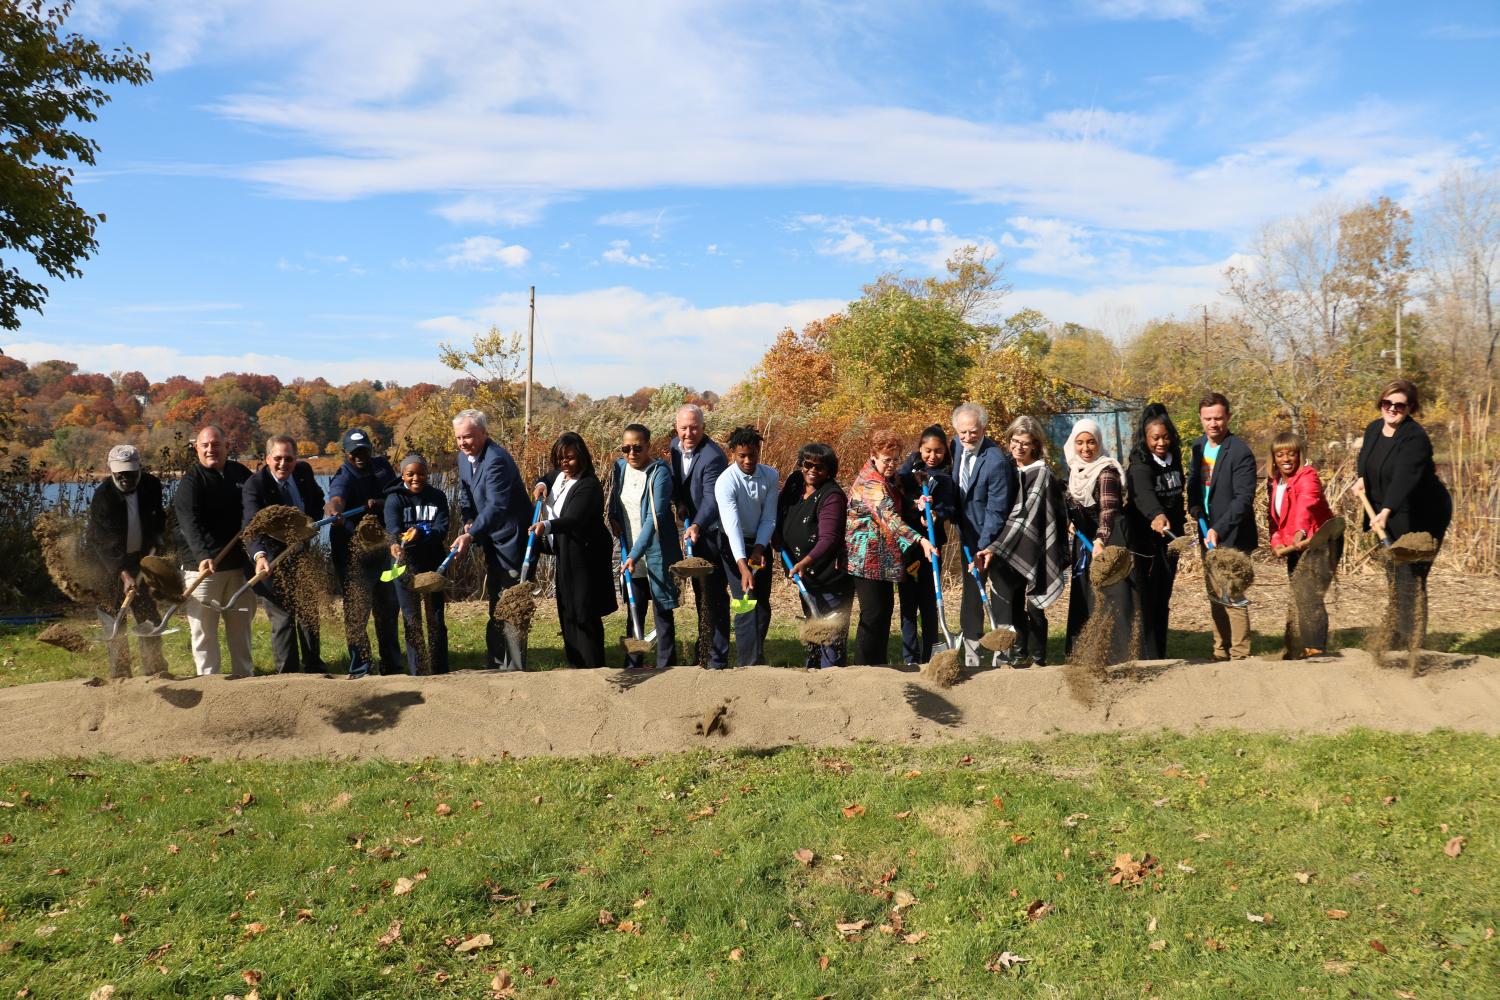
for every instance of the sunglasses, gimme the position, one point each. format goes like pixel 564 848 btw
pixel 631 449
pixel 813 466
pixel 1394 407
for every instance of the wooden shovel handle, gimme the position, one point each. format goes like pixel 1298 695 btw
pixel 1370 512
pixel 193 583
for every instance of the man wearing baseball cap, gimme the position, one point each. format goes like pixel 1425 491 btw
pixel 127 521
pixel 361 482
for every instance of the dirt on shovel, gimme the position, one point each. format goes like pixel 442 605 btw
pixel 282 522
pixel 162 578
pixel 428 583
pixel 1231 571
pixel 821 631
pixel 693 567
pixel 516 607
pixel 945 669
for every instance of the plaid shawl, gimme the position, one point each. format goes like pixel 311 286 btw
pixel 1034 541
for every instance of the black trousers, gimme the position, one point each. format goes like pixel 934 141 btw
pixel 711 597
pixel 918 605
pixel 504 644
pixel 877 601
pixel 1152 578
pixel 662 620
pixel 1030 623
pixel 364 595
pixel 295 642
pixel 751 627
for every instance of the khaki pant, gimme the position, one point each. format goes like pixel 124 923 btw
pixel 203 622
pixel 1231 627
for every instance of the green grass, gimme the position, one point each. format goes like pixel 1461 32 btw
pixel 23 660
pixel 182 860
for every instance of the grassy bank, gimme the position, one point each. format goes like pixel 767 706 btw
pixel 1280 867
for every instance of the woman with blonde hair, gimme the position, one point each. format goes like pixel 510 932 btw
pixel 1033 546
pixel 879 545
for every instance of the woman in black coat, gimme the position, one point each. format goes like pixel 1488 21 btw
pixel 1154 504
pixel 572 527
pixel 1397 476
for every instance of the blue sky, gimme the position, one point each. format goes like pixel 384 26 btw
pixel 322 187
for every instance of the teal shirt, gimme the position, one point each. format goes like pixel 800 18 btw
pixel 1206 470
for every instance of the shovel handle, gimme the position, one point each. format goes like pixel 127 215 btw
pixel 1364 499
pixel 204 575
pixel 686 544
pixel 1203 533
pixel 447 560
pixel 796 577
pixel 536 517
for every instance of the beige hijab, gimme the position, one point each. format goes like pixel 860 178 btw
pixel 1083 476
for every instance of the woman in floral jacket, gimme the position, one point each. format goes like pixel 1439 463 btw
pixel 880 544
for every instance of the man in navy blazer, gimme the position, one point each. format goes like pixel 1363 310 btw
pixel 696 464
pixel 986 479
pixel 496 512
pixel 1221 491
pixel 284 480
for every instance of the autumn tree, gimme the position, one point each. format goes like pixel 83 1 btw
pixel 50 83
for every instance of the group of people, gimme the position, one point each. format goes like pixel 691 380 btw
pixel 1024 533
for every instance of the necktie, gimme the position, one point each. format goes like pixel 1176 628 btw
pixel 967 473
pixel 286 493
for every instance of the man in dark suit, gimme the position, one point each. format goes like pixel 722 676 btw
pixel 496 512
pixel 986 479
pixel 696 464
pixel 294 614
pixel 127 521
pixel 1221 491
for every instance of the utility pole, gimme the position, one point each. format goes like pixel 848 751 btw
pixel 1205 344
pixel 531 367
pixel 1398 334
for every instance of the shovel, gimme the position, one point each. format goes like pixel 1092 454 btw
pixel 999 637
pixel 949 640
pixel 110 625
pixel 634 646
pixel 160 628
pixel 308 529
pixel 430 583
pixel 229 605
pixel 690 566
pixel 1399 551
pixel 1223 596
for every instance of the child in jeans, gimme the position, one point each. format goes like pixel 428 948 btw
pixel 416 515
pixel 1296 509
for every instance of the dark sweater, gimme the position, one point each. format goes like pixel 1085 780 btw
pixel 107 523
pixel 1405 480
pixel 1152 490
pixel 427 511
pixel 813 528
pixel 209 510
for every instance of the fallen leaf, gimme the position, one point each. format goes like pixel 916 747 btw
pixel 904 900
pixel 628 927
pixel 1306 877
pixel 1454 847
pixel 117 939
pixel 474 943
pixel 1003 961
pixel 1337 914
pixel 443 809
pixel 1338 968
pixel 173 849
pixel 501 985
pixel 885 879
pixel 251 977
pixel 1157 945
pixel 391 935
pixel 903 815
pixel 304 916
pixel 736 954
pixel 822 963
pixel 1258 918
pixel 851 928
pixel 965 760
pixel 605 917
pixel 58 871
pixel 1038 910
pixel 802 854
pixel 913 773
pixel 916 938
pixel 998 803
pixel 1406 995
pixel 403 886
pixel 1075 819
pixel 340 801
pixel 1019 838
pixel 854 810
pixel 254 929
pixel 1213 945
pixel 1379 947
pixel 102 993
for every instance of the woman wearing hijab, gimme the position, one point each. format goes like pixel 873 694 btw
pixel 879 544
pixel 1033 546
pixel 927 486
pixel 572 526
pixel 1397 475
pixel 1155 504
pixel 1096 498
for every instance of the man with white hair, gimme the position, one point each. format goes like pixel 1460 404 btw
pixel 126 522
pixel 697 463
pixel 986 477
pixel 496 511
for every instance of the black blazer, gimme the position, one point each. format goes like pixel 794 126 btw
pixel 1151 490
pixel 1407 482
pixel 584 551
pixel 107 523
pixel 261 491
pixel 694 494
pixel 1231 499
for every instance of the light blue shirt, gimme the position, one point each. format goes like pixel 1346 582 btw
pixel 747 506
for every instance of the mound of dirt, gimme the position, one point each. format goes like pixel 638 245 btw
pixel 581 712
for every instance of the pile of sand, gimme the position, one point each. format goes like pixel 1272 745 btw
pixel 580 712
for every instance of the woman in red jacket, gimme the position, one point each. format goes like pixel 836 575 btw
pixel 1296 509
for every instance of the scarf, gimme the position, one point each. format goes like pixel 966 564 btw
pixel 1034 540
pixel 1083 476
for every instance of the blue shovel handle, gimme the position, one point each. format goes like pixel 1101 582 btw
pixel 687 545
pixel 625 580
pixel 447 560
pixel 796 577
pixel 536 516
pixel 974 572
pixel 937 572
pixel 1203 533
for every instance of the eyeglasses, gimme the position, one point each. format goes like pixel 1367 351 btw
pixel 1393 406
pixel 631 449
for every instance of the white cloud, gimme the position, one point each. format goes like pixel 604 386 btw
pixel 514 210
pixel 1057 247
pixel 1119 307
pixel 927 243
pixel 613 339
pixel 619 253
pixel 1152 10
pixel 485 253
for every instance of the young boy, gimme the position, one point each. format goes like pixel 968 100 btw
pixel 747 492
pixel 416 515
pixel 1295 510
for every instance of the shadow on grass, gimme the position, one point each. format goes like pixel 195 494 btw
pixel 375 714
